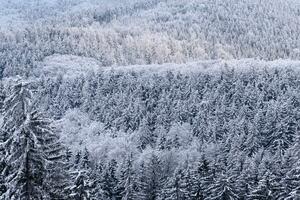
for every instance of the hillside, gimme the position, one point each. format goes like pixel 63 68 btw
pixel 149 32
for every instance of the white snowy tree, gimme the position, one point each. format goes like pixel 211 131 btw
pixel 30 147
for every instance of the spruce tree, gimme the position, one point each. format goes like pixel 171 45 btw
pixel 85 162
pixel 126 182
pixel 81 177
pixel 173 189
pixel 2 95
pixel 80 189
pixel 293 180
pixel 108 181
pixel 223 188
pixel 150 179
pixel 263 190
pixel 30 148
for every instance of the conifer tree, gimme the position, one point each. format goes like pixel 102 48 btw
pixel 108 181
pixel 85 162
pixel 173 189
pixel 222 189
pixel 151 179
pixel 262 191
pixel 293 180
pixel 2 96
pixel 30 148
pixel 80 189
pixel 126 181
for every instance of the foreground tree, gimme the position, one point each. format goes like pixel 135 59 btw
pixel 31 149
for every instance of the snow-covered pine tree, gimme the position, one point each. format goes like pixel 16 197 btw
pixel 262 191
pixel 222 188
pixel 80 189
pixel 150 179
pixel 2 95
pixel 173 189
pixel 95 189
pixel 85 162
pixel 2 186
pixel 2 150
pixel 80 172
pixel 126 182
pixel 108 181
pixel 187 183
pixel 293 178
pixel 202 178
pixel 57 177
pixel 23 155
pixel 77 160
pixel 30 145
pixel 179 186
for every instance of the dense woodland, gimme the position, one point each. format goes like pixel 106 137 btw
pixel 227 135
pixel 154 31
pixel 123 133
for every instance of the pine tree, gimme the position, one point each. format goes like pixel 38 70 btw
pixel 173 189
pixel 2 186
pixel 85 162
pixel 81 175
pixel 187 183
pixel 80 189
pixel 31 148
pixel 57 178
pixel 2 149
pixel 263 190
pixel 150 179
pixel 95 179
pixel 126 182
pixel 293 180
pixel 77 160
pixel 203 178
pixel 30 145
pixel 222 189
pixel 2 95
pixel 24 156
pixel 108 181
pixel 179 186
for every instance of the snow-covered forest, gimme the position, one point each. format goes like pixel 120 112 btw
pixel 149 100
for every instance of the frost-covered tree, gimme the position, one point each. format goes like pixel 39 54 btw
pixel 126 181
pixel 80 189
pixel 30 147
pixel 150 179
pixel 174 189
pixel 293 180
pixel 80 172
pixel 223 188
pixel 262 190
pixel 2 95
pixel 108 181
